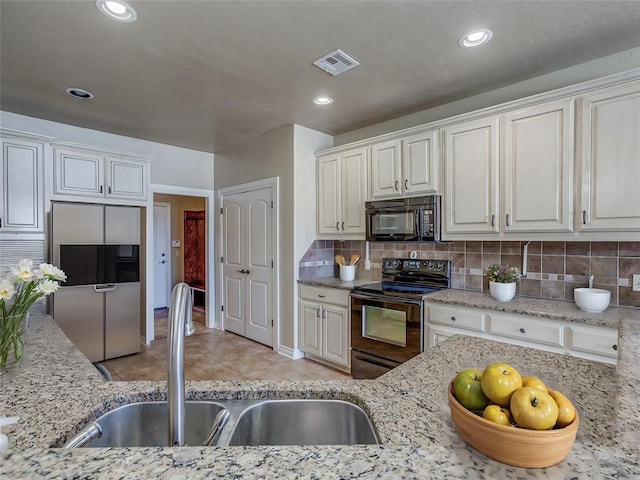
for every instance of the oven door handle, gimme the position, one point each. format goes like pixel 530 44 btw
pixel 385 298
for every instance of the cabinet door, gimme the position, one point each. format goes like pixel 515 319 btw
pixel 386 170
pixel 471 177
pixel 537 166
pixel 336 335
pixel 329 190
pixel 610 165
pixel 21 186
pixel 421 164
pixel 310 327
pixel 354 192
pixel 126 179
pixel 78 173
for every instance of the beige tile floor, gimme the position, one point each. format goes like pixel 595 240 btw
pixel 211 354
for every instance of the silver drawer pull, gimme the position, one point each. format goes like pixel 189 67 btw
pixel 522 330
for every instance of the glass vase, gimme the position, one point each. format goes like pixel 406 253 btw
pixel 13 327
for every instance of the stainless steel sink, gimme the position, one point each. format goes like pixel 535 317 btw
pixel 241 423
pixel 303 422
pixel 144 424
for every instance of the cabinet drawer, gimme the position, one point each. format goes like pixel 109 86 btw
pixel 325 295
pixel 525 329
pixel 458 318
pixel 599 341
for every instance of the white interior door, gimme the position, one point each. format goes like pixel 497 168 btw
pixel 161 255
pixel 258 266
pixel 247 264
pixel 233 263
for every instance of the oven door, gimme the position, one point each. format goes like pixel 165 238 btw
pixel 386 327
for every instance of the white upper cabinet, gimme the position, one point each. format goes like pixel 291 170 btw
pixel 22 184
pixel 470 204
pixel 537 168
pixel 510 174
pixel 610 161
pixel 406 167
pixel 342 193
pixel 94 174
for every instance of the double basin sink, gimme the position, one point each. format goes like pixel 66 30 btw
pixel 233 422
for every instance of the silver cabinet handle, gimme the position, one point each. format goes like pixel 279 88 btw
pixel 522 330
pixel 324 313
pixel 240 271
pixel 338 226
pixel 406 184
pixel 453 319
pixel 109 189
pixel 343 226
pixel 321 296
pixel 493 220
pixel 507 219
pixel 247 272
pixel 615 347
pixel 318 313
pixel 397 186
pixel 585 219
pixel 100 188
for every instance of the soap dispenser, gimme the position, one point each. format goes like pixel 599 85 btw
pixel 4 440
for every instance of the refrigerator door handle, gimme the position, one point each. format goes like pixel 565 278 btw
pixel 109 287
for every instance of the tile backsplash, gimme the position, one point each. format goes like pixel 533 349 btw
pixel 554 269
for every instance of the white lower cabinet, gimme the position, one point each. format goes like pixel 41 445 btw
pixel 585 341
pixel 325 326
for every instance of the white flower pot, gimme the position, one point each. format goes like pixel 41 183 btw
pixel 502 292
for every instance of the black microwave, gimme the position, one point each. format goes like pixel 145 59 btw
pixel 414 219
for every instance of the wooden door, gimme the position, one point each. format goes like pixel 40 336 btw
pixel 248 264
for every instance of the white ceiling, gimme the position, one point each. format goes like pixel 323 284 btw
pixel 209 74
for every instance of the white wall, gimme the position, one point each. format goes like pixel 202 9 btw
pixel 306 143
pixel 287 153
pixel 171 165
pixel 619 62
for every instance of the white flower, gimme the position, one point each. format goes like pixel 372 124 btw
pixel 51 271
pixel 47 286
pixel 23 272
pixel 6 289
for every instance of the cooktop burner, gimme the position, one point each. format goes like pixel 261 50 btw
pixel 409 277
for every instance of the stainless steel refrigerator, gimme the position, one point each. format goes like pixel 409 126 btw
pixel 98 307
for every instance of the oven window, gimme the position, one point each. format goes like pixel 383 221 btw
pixel 384 325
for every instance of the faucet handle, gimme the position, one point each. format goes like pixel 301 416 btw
pixel 590 281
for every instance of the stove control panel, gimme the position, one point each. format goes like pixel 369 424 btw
pixel 410 265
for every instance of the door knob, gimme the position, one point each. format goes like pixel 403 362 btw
pixel 163 261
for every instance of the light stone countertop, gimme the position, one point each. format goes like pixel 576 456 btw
pixel 56 391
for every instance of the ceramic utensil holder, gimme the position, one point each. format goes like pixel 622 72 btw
pixel 347 273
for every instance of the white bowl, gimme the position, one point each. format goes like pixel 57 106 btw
pixel 592 300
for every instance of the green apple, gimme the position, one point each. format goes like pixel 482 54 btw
pixel 468 390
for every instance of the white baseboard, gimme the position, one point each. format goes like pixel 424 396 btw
pixel 294 354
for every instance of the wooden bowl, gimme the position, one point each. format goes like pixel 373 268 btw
pixel 515 446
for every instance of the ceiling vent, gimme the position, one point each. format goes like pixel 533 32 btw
pixel 336 62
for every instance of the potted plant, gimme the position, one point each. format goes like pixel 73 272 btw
pixel 502 281
pixel 18 291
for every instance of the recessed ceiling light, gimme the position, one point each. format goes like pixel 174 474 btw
pixel 117 10
pixel 323 100
pixel 80 93
pixel 476 38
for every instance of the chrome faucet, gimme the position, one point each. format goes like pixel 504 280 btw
pixel 179 319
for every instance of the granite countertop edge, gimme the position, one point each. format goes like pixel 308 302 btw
pixel 408 406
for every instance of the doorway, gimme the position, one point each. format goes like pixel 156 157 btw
pixel 161 251
pixel 205 201
pixel 249 246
